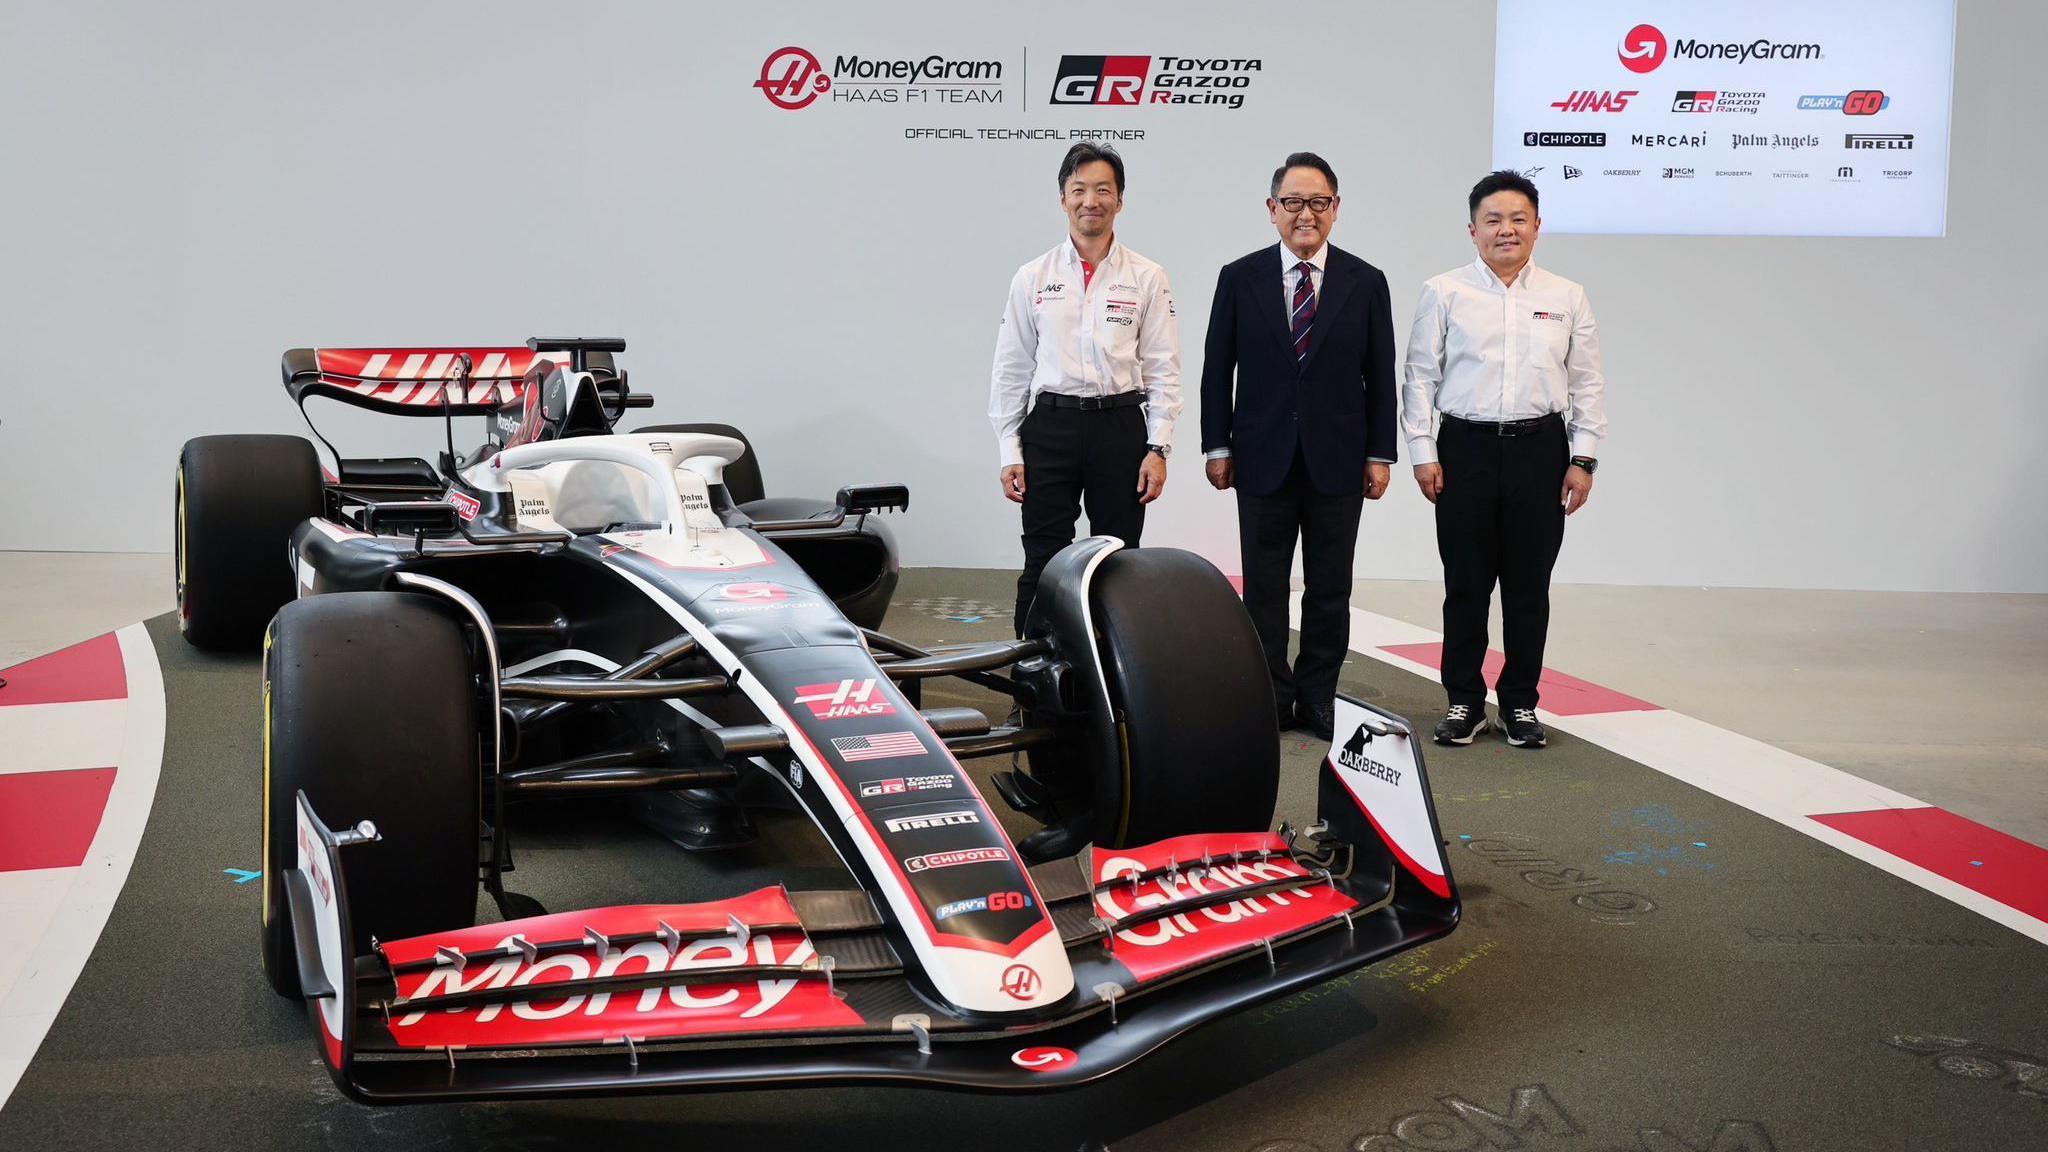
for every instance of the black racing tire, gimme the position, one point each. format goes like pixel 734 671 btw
pixel 1200 746
pixel 238 499
pixel 370 708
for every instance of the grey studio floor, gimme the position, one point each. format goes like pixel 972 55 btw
pixel 1675 1032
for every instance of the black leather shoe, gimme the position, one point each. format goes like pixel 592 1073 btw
pixel 1319 719
pixel 1460 724
pixel 1522 728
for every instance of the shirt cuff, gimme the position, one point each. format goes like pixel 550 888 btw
pixel 1586 444
pixel 1377 460
pixel 1422 450
pixel 1012 448
pixel 1217 454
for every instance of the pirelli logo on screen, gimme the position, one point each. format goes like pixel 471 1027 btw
pixel 1129 81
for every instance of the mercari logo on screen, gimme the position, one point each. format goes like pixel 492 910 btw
pixel 1644 47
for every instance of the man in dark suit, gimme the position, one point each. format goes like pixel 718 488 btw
pixel 1307 331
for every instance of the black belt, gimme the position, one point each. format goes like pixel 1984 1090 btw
pixel 1092 403
pixel 1527 427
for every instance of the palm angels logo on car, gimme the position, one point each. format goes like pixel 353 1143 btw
pixel 1353 756
pixel 844 699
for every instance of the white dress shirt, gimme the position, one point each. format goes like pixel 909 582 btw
pixel 1481 350
pixel 1113 332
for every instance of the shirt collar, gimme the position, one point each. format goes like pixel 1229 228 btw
pixel 1288 259
pixel 1493 281
pixel 1072 255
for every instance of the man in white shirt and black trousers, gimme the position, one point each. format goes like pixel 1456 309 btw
pixel 1086 383
pixel 1509 354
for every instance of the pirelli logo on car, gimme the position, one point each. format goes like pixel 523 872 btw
pixel 933 820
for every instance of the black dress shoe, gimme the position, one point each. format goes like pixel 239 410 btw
pixel 1319 719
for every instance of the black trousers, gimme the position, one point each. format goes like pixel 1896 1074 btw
pixel 1328 528
pixel 1498 519
pixel 1071 457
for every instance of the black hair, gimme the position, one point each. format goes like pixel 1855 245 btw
pixel 1303 160
pixel 1081 154
pixel 1505 180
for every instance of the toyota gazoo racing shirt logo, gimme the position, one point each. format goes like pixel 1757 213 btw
pixel 793 78
pixel 844 699
pixel 1644 47
pixel 1122 80
pixel 1021 982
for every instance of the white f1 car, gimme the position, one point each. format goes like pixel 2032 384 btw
pixel 568 610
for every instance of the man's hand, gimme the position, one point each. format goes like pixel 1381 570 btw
pixel 1430 478
pixel 1013 482
pixel 1151 477
pixel 1578 488
pixel 1222 472
pixel 1377 476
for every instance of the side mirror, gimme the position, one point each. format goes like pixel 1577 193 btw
pixel 864 498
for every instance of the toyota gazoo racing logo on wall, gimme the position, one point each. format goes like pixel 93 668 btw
pixel 1594 100
pixel 1717 101
pixel 793 77
pixel 1124 80
pixel 1644 48
pixel 844 699
pixel 1861 102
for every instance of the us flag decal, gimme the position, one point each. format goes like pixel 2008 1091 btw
pixel 881 746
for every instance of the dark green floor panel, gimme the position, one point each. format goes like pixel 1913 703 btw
pixel 1642 966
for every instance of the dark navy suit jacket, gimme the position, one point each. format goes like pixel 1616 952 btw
pixel 1337 404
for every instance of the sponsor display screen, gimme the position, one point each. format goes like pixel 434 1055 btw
pixel 1743 117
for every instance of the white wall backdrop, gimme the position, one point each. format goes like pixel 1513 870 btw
pixel 187 192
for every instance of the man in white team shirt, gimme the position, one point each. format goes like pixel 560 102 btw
pixel 1509 355
pixel 1086 383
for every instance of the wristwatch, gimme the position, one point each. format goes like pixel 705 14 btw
pixel 1586 462
pixel 1164 450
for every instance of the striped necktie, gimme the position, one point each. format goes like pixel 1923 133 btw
pixel 1304 310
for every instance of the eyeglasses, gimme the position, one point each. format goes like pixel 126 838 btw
pixel 1316 204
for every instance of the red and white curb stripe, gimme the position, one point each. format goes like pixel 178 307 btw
pixel 81 745
pixel 1998 876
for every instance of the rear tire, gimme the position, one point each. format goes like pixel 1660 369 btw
pixel 238 499
pixel 1201 749
pixel 370 708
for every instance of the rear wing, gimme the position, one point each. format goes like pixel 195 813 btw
pixel 418 381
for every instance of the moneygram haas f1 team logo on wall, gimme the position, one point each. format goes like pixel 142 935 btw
pixel 792 78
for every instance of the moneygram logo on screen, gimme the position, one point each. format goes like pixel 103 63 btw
pixel 1644 47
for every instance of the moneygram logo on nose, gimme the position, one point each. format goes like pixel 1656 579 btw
pixel 792 78
pixel 1642 49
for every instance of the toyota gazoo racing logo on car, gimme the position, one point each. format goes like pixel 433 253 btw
pixel 844 699
pixel 1861 102
pixel 1644 48
pixel 1594 100
pixel 794 77
pixel 955 858
pixel 898 785
pixel 1123 80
